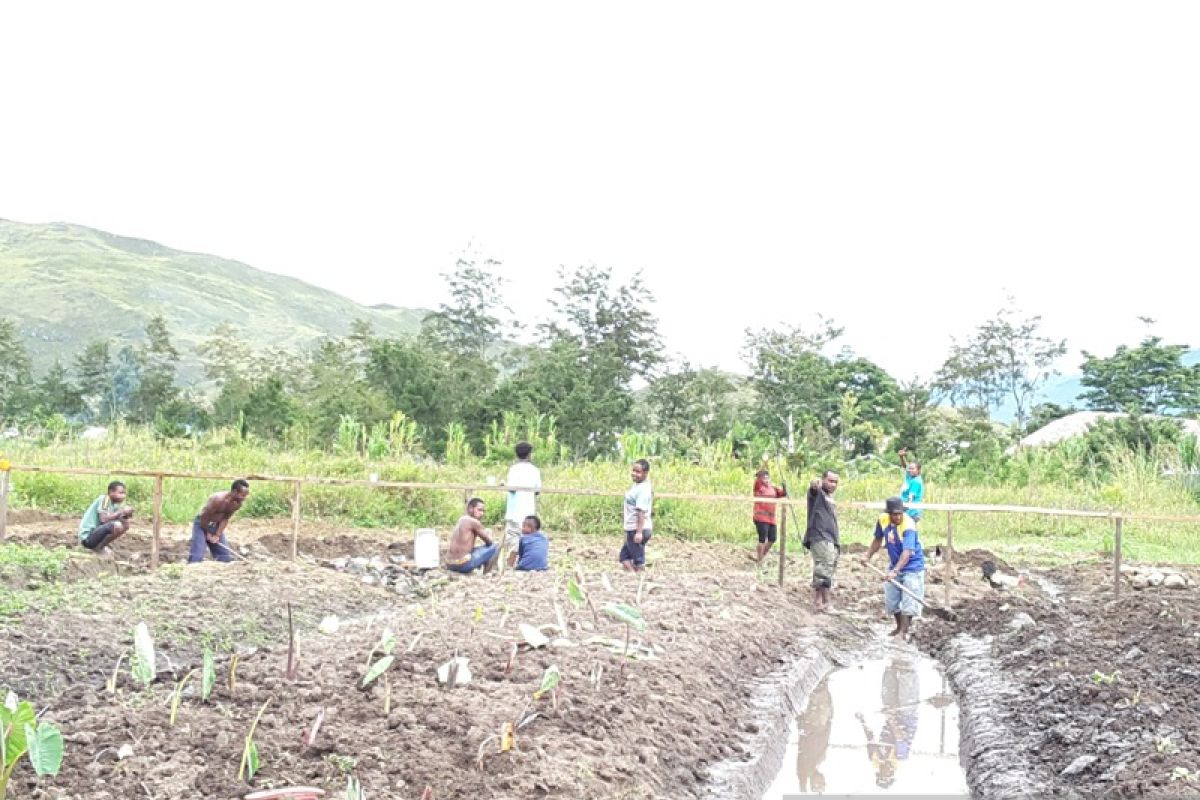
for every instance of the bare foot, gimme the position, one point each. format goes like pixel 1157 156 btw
pixel 895 632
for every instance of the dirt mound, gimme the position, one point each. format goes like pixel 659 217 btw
pixel 1106 690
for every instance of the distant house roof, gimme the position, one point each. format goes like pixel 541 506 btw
pixel 1078 423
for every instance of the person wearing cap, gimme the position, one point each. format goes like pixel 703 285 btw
pixel 897 531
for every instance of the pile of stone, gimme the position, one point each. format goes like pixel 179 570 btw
pixel 1148 577
pixel 398 573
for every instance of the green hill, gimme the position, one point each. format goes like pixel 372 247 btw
pixel 65 285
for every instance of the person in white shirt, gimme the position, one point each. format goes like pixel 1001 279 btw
pixel 637 517
pixel 526 480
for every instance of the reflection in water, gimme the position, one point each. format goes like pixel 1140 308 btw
pixel 901 695
pixel 873 715
pixel 814 727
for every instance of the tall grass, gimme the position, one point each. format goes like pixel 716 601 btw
pixel 1133 483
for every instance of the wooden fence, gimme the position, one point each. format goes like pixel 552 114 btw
pixel 1117 517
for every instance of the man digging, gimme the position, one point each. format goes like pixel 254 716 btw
pixel 897 531
pixel 208 528
pixel 822 540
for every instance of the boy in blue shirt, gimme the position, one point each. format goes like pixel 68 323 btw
pixel 913 490
pixel 533 551
pixel 897 531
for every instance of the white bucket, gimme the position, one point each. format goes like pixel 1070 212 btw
pixel 426 549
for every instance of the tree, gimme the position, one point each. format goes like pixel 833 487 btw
pixel 412 378
pixel 15 372
pixel 95 381
pixel 915 418
pixel 269 411
pixel 601 338
pixel 158 360
pixel 467 325
pixel 1150 378
pixel 1006 359
pixel 791 378
pixel 56 394
pixel 693 404
pixel 335 386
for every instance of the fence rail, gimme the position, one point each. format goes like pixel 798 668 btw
pixel 297 482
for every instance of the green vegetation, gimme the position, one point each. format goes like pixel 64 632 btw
pixel 67 285
pixel 302 383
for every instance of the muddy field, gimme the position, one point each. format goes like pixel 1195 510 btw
pixel 649 729
pixel 656 727
pixel 1080 691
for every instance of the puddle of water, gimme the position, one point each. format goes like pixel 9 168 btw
pixel 887 725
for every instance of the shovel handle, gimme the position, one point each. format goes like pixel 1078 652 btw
pixel 898 585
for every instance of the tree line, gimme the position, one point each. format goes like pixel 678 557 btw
pixel 595 371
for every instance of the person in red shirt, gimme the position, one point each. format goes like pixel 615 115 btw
pixel 764 513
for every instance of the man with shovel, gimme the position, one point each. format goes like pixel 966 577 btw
pixel 208 528
pixel 897 531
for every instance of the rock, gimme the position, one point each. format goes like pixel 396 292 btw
pixel 1139 581
pixel 357 565
pixel 1175 582
pixel 1079 765
pixel 125 752
pixel 1156 578
pixel 329 624
pixel 338 563
pixel 368 579
pixel 461 677
pixel 1133 654
pixel 1021 620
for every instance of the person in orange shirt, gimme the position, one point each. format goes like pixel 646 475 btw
pixel 764 513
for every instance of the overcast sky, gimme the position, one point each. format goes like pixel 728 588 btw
pixel 897 166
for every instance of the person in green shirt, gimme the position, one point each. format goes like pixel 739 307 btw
pixel 106 519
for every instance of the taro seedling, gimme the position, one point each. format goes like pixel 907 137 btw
pixel 208 676
pixel 579 596
pixel 21 733
pixel 250 760
pixel 143 665
pixel 631 617
pixel 386 645
pixel 354 790
pixel 177 695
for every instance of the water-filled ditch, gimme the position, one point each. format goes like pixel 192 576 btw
pixel 885 724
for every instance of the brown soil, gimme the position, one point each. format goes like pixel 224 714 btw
pixel 1142 726
pixel 652 729
pixel 655 729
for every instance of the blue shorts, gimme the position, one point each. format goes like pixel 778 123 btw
pixel 632 551
pixel 479 556
pixel 898 602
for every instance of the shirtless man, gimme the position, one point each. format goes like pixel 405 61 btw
pixel 462 555
pixel 209 526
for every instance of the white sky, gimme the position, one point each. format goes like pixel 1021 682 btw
pixel 897 166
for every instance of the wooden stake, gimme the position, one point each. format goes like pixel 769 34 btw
pixel 782 539
pixel 948 575
pixel 295 518
pixel 1117 556
pixel 3 504
pixel 156 541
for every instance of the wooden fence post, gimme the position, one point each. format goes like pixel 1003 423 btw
pixel 3 502
pixel 155 544
pixel 1117 556
pixel 949 574
pixel 295 518
pixel 781 512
